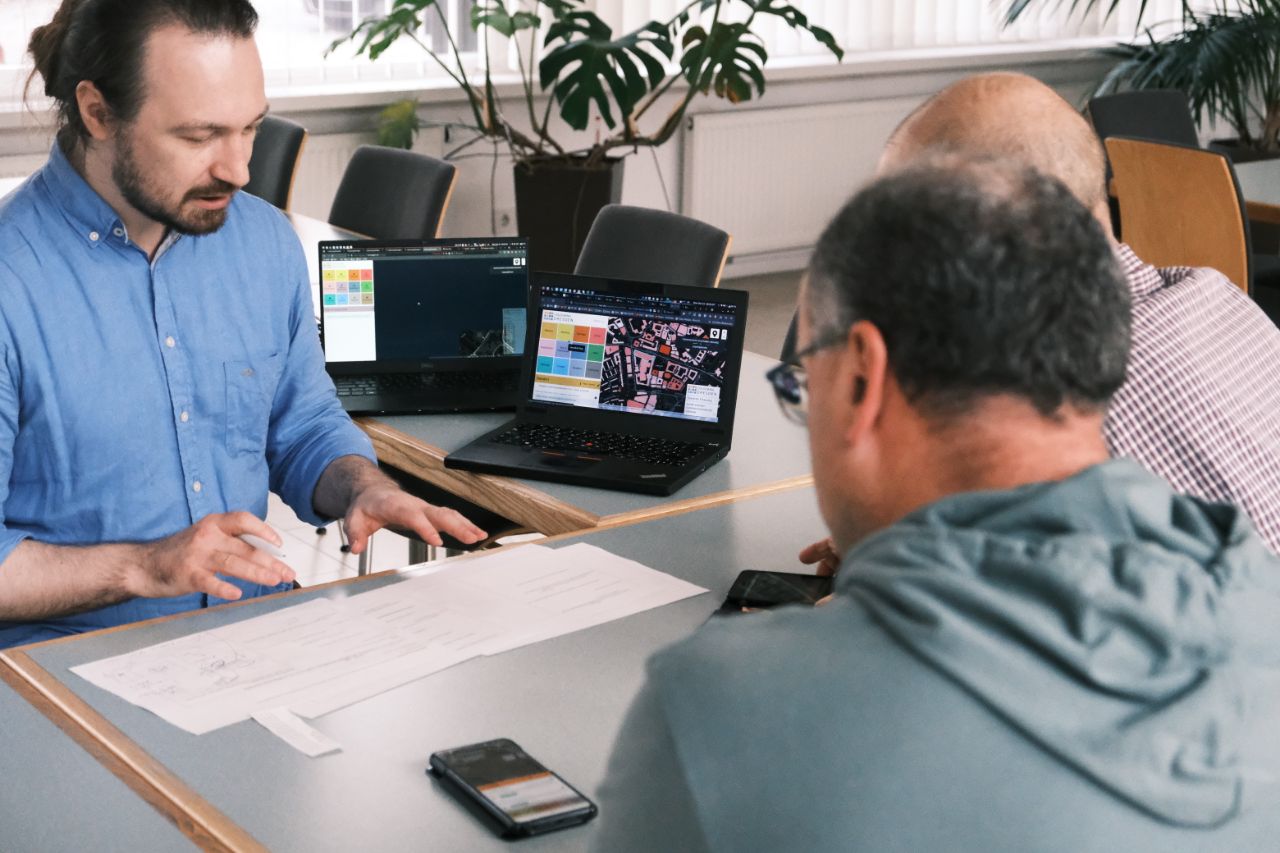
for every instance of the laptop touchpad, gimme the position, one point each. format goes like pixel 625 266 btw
pixel 561 459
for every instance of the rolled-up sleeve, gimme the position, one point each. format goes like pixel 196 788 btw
pixel 9 538
pixel 309 428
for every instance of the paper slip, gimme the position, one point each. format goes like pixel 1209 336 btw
pixel 282 723
pixel 319 656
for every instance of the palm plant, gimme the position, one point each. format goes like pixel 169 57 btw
pixel 1226 58
pixel 584 65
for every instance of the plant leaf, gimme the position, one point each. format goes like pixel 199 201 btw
pixel 728 60
pixel 590 66
pixel 494 14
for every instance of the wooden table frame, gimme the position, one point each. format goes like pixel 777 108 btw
pixel 525 504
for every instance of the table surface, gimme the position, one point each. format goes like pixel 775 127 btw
pixel 1260 186
pixel 57 797
pixel 769 453
pixel 563 700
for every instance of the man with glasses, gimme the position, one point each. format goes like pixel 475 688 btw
pixel 1030 646
pixel 1195 408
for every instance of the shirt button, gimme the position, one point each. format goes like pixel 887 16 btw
pixel 196 486
pixel 248 371
pixel 119 232
pixel 184 417
pixel 93 235
pixel 169 342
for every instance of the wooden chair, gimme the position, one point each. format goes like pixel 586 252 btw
pixel 1181 206
pixel 274 163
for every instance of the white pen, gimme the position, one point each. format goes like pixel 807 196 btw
pixel 262 545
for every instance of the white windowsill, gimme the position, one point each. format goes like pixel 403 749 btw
pixel 442 90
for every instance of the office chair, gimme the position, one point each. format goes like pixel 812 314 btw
pixel 1156 115
pixel 393 194
pixel 643 244
pixel 274 163
pixel 1181 206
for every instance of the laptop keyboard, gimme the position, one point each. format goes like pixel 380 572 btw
pixel 400 383
pixel 654 451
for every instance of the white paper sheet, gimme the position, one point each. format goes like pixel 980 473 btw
pixel 285 725
pixel 316 657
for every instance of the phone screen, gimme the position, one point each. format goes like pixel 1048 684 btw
pixel 506 776
pixel 770 589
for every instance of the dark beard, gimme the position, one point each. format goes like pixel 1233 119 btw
pixel 134 188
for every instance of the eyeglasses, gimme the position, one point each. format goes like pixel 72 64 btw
pixel 791 384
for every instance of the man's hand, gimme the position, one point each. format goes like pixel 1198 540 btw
pixel 824 555
pixel 191 559
pixel 385 504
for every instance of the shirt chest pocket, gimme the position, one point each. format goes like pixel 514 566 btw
pixel 251 392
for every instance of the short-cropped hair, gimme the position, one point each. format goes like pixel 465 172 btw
pixel 985 278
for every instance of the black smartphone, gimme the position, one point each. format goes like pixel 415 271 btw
pixel 759 590
pixel 504 785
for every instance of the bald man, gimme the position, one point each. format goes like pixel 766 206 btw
pixel 1201 404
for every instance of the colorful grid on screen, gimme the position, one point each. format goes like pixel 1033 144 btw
pixel 572 350
pixel 347 284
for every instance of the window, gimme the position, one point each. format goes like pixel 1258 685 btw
pixel 293 34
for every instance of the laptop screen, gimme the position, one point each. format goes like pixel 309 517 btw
pixel 421 301
pixel 646 353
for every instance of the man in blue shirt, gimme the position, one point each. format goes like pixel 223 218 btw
pixel 159 365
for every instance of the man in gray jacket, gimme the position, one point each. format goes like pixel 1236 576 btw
pixel 1030 647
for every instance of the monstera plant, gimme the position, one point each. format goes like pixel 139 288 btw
pixel 1224 55
pixel 588 73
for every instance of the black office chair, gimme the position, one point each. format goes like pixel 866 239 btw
pixel 393 194
pixel 274 163
pixel 1159 115
pixel 643 244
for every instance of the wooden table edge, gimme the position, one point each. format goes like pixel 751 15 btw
pixel 1260 211
pixel 196 818
pixel 510 498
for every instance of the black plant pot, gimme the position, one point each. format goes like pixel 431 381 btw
pixel 556 202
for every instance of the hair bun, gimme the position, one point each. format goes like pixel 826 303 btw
pixel 46 42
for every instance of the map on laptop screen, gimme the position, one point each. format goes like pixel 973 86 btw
pixel 634 353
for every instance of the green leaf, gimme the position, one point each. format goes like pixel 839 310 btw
pixel 728 60
pixel 375 35
pixel 494 14
pixel 589 66
pixel 398 123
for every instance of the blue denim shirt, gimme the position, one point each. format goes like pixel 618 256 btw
pixel 138 396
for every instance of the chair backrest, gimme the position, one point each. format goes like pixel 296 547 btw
pixel 274 162
pixel 643 244
pixel 1159 115
pixel 393 194
pixel 1181 206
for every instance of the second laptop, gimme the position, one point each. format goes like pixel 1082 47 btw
pixel 424 325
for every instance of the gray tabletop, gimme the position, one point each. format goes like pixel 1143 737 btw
pixel 1260 181
pixel 55 796
pixel 767 448
pixel 562 700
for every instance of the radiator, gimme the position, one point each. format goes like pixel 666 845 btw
pixel 774 177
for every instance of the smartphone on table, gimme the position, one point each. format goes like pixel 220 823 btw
pixel 517 795
pixel 760 590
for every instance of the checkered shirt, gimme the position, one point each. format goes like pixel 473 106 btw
pixel 1201 403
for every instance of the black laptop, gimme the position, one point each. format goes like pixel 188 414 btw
pixel 424 325
pixel 626 385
